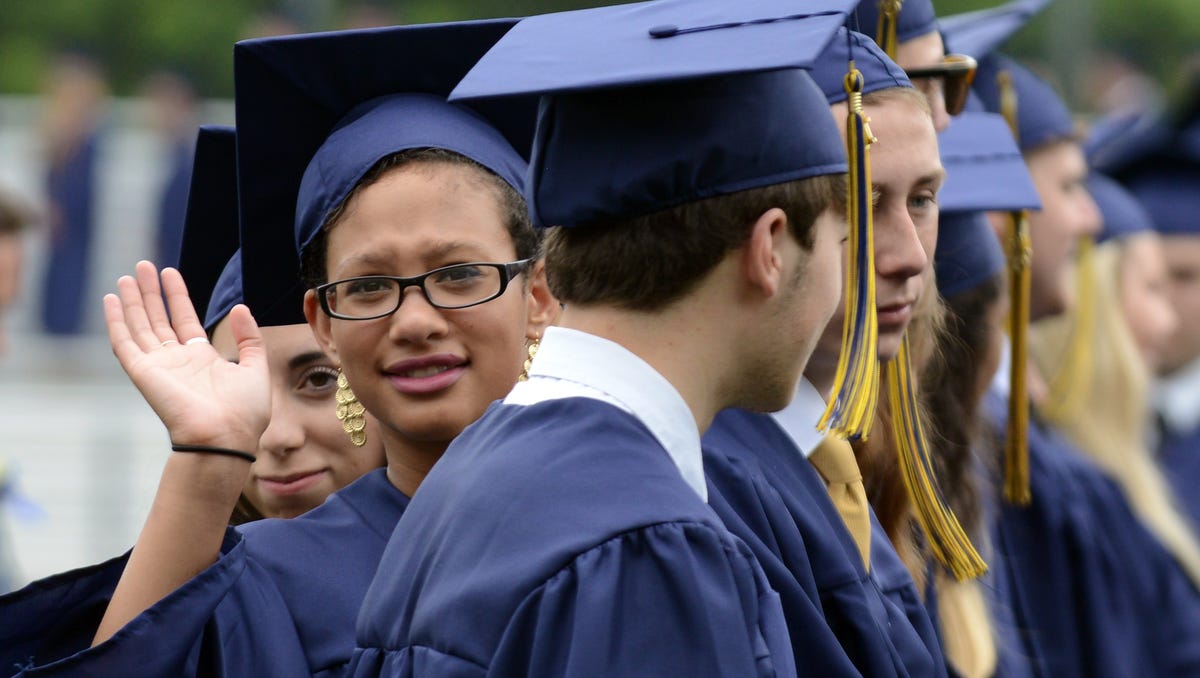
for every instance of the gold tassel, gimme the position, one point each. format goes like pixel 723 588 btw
pixel 1072 380
pixel 851 408
pixel 948 541
pixel 885 33
pixel 1020 253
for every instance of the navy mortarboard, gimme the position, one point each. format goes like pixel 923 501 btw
pixel 894 21
pixel 877 69
pixel 661 103
pixel 1041 115
pixel 1160 165
pixel 978 151
pixel 981 32
pixel 307 131
pixel 208 259
pixel 984 172
pixel 1123 214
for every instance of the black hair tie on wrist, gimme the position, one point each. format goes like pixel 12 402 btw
pixel 205 449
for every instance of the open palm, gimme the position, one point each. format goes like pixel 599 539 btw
pixel 202 398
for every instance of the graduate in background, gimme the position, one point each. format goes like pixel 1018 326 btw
pixel 172 110
pixel 984 171
pixel 282 596
pixel 1129 328
pixel 690 181
pixel 774 480
pixel 16 218
pixel 1098 593
pixel 71 126
pixel 1159 166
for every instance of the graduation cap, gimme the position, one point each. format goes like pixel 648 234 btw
pixel 877 68
pixel 1123 214
pixel 1168 193
pixel 208 258
pixel 984 172
pixel 650 105
pixel 981 32
pixel 1160 165
pixel 894 21
pixel 316 112
pixel 1006 87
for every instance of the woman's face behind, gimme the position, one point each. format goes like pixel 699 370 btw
pixel 427 372
pixel 304 455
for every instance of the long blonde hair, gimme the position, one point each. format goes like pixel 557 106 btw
pixel 1110 425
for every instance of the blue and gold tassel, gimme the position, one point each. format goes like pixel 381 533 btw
pixel 948 541
pixel 1019 250
pixel 885 32
pixel 851 408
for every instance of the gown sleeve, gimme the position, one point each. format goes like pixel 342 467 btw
pixel 223 622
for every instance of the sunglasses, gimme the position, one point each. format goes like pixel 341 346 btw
pixel 955 75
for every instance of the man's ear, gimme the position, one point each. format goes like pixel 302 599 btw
pixel 318 321
pixel 541 306
pixel 763 255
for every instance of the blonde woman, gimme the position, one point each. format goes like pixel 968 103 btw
pixel 1108 405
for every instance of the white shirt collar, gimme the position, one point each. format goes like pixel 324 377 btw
pixel 1001 384
pixel 1177 398
pixel 574 364
pixel 799 419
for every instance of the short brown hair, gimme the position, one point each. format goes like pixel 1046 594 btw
pixel 526 239
pixel 645 263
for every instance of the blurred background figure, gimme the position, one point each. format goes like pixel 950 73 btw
pixel 15 217
pixel 1106 410
pixel 75 99
pixel 172 112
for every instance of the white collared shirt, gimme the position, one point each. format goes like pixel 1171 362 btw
pixel 1002 380
pixel 1177 398
pixel 574 364
pixel 800 418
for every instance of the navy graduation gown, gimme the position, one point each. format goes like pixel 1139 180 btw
pixel 281 600
pixel 1017 655
pixel 1097 593
pixel 559 539
pixel 1179 457
pixel 773 499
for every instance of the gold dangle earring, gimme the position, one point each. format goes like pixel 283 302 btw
pixel 350 412
pixel 533 349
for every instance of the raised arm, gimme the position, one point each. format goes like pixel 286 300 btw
pixel 205 401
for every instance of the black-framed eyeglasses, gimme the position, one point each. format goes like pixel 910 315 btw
pixel 459 286
pixel 954 75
